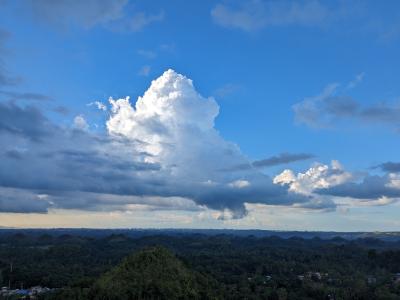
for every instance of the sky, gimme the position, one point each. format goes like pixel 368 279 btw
pixel 281 115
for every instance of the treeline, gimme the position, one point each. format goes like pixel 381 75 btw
pixel 215 267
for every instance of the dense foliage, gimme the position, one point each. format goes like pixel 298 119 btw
pixel 153 273
pixel 202 266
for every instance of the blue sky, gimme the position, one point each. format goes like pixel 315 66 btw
pixel 297 84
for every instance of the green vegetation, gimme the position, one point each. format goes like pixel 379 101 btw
pixel 154 273
pixel 195 266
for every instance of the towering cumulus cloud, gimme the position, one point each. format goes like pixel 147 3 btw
pixel 175 127
pixel 163 152
pixel 170 112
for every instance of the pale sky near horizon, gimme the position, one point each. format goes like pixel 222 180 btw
pixel 200 114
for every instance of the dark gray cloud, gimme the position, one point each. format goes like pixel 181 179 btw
pixel 383 113
pixel 281 159
pixel 372 187
pixel 261 190
pixel 326 109
pixel 21 201
pixel 341 106
pixel 14 154
pixel 392 167
pixel 27 122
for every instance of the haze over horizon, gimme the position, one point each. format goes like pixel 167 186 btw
pixel 260 114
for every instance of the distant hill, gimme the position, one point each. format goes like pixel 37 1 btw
pixel 154 273
pixel 137 233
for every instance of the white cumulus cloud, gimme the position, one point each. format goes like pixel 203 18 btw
pixel 393 180
pixel 317 177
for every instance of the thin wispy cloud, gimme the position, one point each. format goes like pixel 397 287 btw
pixel 86 14
pixel 258 14
pixel 145 71
pixel 6 77
pixel 332 105
pixel 18 96
pixel 140 20
pixel 227 90
pixel 118 15
pixel 357 80
pixel 147 53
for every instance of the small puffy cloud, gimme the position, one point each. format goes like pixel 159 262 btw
pixel 80 123
pixel 393 181
pixel 258 14
pixel 285 178
pixel 99 105
pixel 239 184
